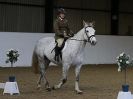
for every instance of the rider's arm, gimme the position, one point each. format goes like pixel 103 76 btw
pixel 70 32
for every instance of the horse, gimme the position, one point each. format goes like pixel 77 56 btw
pixel 72 55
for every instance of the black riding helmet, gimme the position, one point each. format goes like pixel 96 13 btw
pixel 61 10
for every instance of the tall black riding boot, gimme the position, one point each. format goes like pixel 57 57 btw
pixel 57 53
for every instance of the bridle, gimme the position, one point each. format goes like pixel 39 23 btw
pixel 89 37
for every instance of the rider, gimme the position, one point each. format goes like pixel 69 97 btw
pixel 62 32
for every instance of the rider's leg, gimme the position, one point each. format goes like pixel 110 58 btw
pixel 58 48
pixel 60 42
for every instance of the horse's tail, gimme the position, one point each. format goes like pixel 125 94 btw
pixel 35 64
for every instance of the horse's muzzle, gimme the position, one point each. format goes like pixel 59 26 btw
pixel 93 41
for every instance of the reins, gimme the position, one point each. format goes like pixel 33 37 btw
pixel 86 35
pixel 79 40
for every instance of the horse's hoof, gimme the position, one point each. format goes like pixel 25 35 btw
pixel 38 87
pixel 79 92
pixel 55 87
pixel 48 89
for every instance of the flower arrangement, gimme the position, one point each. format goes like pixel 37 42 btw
pixel 12 56
pixel 123 62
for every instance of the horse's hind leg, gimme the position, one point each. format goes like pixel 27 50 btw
pixel 43 67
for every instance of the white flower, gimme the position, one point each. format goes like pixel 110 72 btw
pixel 11 49
pixel 117 57
pixel 122 54
pixel 7 52
pixel 120 60
pixel 14 54
pixel 127 62
pixel 18 58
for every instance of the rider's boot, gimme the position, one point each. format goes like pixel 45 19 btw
pixel 57 53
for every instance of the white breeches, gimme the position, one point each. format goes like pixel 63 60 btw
pixel 60 42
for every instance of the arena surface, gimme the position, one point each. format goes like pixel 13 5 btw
pixel 97 82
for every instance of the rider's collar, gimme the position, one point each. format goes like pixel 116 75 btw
pixel 60 18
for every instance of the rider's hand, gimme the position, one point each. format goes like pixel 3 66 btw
pixel 65 34
pixel 70 35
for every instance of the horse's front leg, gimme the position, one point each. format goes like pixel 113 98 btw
pixel 64 76
pixel 77 72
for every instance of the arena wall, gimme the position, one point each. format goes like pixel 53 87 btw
pixel 105 52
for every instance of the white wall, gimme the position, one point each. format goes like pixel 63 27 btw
pixel 108 48
pixel 23 42
pixel 105 52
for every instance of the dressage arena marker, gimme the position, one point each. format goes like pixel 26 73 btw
pixel 125 95
pixel 11 88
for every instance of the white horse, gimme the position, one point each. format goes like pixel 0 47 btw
pixel 72 54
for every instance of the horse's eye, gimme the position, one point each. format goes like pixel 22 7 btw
pixel 87 31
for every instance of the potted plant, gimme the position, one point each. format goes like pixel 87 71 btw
pixel 123 62
pixel 12 57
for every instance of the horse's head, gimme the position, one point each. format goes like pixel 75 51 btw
pixel 89 32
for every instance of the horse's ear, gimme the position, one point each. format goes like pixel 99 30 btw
pixel 84 23
pixel 92 23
